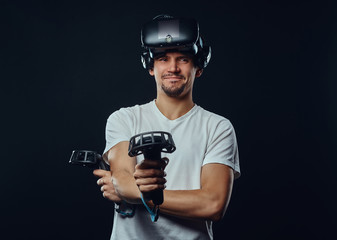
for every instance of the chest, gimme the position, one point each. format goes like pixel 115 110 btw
pixel 191 141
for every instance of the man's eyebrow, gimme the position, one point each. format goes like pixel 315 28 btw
pixel 185 56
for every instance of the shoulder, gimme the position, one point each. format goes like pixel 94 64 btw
pixel 214 119
pixel 129 112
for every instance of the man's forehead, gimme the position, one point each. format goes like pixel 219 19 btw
pixel 174 54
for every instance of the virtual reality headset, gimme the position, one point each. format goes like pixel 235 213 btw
pixel 166 33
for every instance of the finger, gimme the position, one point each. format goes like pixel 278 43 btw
pixel 145 173
pixel 150 188
pixel 150 181
pixel 112 197
pixel 101 173
pixel 100 182
pixel 146 164
pixel 102 188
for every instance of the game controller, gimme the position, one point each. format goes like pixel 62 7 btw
pixel 151 145
pixel 94 160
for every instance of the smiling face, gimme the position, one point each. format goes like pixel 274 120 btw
pixel 174 73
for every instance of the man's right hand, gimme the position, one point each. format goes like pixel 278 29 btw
pixel 107 187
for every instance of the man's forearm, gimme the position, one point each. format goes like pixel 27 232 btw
pixel 209 202
pixel 198 204
pixel 122 167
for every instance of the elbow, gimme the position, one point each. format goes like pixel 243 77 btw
pixel 216 212
pixel 217 216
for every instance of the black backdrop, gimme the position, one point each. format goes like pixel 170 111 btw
pixel 66 65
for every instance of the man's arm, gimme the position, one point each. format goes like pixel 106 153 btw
pixel 122 167
pixel 209 202
pixel 129 179
pixel 119 183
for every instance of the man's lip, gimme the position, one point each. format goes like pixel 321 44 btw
pixel 173 78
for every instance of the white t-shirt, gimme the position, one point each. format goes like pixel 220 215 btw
pixel 201 137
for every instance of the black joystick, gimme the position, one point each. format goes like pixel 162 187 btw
pixel 94 160
pixel 152 144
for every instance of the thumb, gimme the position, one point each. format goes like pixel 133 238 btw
pixel 166 160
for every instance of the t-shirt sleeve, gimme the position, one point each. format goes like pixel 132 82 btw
pixel 222 147
pixel 117 129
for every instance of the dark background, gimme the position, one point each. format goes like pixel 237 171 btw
pixel 66 66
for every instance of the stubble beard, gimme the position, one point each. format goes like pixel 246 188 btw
pixel 173 91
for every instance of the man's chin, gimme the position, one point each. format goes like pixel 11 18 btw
pixel 173 92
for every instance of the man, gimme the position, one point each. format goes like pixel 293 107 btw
pixel 199 177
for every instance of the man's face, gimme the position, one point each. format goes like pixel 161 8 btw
pixel 174 73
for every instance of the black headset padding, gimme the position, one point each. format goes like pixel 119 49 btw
pixel 146 59
pixel 204 54
pixel 202 57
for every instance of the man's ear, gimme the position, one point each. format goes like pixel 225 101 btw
pixel 151 72
pixel 199 72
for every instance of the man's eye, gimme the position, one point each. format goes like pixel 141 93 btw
pixel 184 59
pixel 162 59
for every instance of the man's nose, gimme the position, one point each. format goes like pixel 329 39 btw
pixel 174 66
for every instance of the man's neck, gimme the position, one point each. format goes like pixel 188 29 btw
pixel 173 108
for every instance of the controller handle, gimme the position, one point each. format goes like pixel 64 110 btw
pixel 94 160
pixel 157 195
pixel 151 145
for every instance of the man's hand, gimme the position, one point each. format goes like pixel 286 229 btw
pixel 150 176
pixel 107 187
